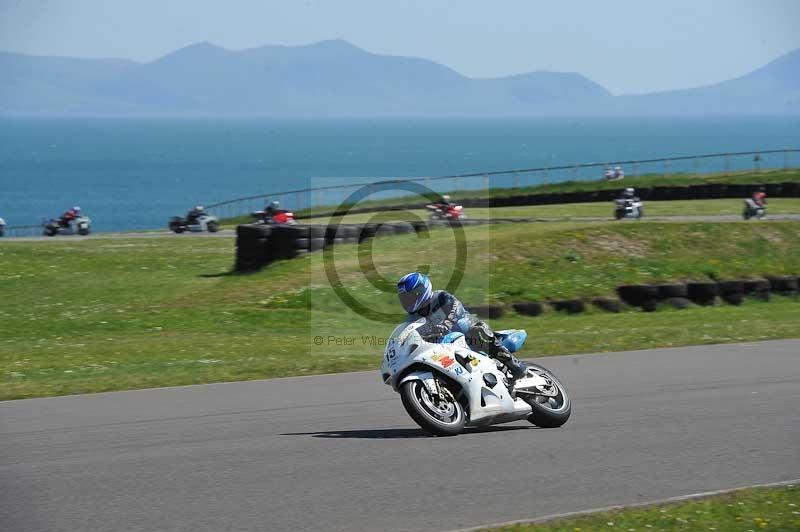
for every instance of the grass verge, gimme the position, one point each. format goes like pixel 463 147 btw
pixel 744 510
pixel 81 316
pixel 642 181
pixel 676 208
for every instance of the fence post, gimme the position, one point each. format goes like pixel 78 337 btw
pixel 516 180
pixel 635 169
pixel 727 164
pixel 757 162
pixel 485 182
pixel 696 165
pixel 666 167
pixel 574 173
pixel 785 159
pixel 458 184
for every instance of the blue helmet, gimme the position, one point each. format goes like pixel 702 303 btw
pixel 415 291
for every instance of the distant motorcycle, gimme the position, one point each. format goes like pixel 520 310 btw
pixel 203 222
pixel 614 174
pixel 279 217
pixel 448 213
pixel 753 210
pixel 2 227
pixel 80 225
pixel 628 208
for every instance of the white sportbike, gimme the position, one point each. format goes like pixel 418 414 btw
pixel 446 386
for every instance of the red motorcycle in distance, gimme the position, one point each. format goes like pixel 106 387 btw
pixel 449 212
pixel 277 217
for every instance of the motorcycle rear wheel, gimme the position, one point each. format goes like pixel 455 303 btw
pixel 442 416
pixel 549 412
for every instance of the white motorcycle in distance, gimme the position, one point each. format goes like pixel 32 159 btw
pixel 446 386
pixel 2 228
pixel 203 222
pixel 753 210
pixel 614 174
pixel 81 225
pixel 628 208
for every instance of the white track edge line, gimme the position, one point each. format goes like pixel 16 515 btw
pixel 658 502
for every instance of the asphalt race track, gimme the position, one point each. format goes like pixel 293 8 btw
pixel 339 452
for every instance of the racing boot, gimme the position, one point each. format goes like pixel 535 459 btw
pixel 515 366
pixel 481 338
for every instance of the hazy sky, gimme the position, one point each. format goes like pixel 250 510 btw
pixel 628 46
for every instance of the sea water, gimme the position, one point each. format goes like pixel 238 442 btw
pixel 133 174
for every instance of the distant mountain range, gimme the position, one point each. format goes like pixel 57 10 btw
pixel 337 79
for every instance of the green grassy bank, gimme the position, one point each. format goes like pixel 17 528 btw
pixel 92 315
pixel 776 509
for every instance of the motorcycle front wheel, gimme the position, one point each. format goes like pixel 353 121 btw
pixel 440 416
pixel 549 412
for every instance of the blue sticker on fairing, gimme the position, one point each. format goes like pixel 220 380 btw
pixel 451 337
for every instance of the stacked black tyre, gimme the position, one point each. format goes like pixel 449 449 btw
pixel 703 292
pixel 316 237
pixel 731 292
pixel 570 306
pixel 756 289
pixel 343 234
pixel 289 241
pixel 253 249
pixel 528 308
pixel 639 295
pixel 674 295
pixel 488 312
pixel 785 285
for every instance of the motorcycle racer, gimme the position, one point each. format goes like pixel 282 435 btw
pixel 444 313
pixel 194 214
pixel 69 216
pixel 760 197
pixel 272 209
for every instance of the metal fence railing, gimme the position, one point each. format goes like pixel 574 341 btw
pixel 23 230
pixel 332 195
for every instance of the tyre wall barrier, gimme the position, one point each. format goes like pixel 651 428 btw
pixel 608 304
pixel 702 293
pixel 489 312
pixel 785 285
pixel 258 245
pixel 528 308
pixel 650 298
pixel 570 306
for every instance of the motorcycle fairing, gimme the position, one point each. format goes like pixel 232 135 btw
pixel 486 404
